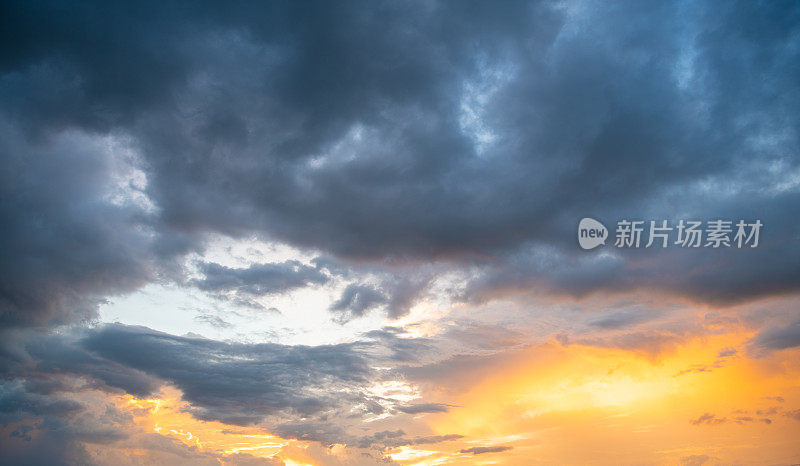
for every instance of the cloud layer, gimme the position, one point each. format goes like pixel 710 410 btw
pixel 442 150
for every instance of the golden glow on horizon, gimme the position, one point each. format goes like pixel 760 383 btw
pixel 582 404
pixel 168 416
pixel 568 404
pixel 295 463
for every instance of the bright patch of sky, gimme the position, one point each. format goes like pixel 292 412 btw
pixel 299 316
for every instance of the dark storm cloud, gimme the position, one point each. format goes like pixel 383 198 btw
pixel 238 383
pixel 53 388
pixel 460 130
pixel 65 244
pixel 53 362
pixel 17 404
pixel 235 382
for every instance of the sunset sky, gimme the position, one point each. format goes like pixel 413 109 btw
pixel 346 233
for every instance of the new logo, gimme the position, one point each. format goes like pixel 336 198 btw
pixel 591 233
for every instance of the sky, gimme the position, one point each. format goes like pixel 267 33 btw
pixel 346 233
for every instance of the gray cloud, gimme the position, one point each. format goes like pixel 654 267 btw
pixel 722 359
pixel 17 404
pixel 235 382
pixel 397 438
pixel 420 408
pixel 356 300
pixel 386 135
pixel 708 418
pixel 258 279
pixel 619 319
pixel 712 419
pixel 66 241
pixel 66 427
pixel 777 337
pixel 482 450
pixel 458 130
pixel 238 383
pixel 394 292
pixel 294 391
pixel 214 321
pixel 240 286
pixel 397 345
